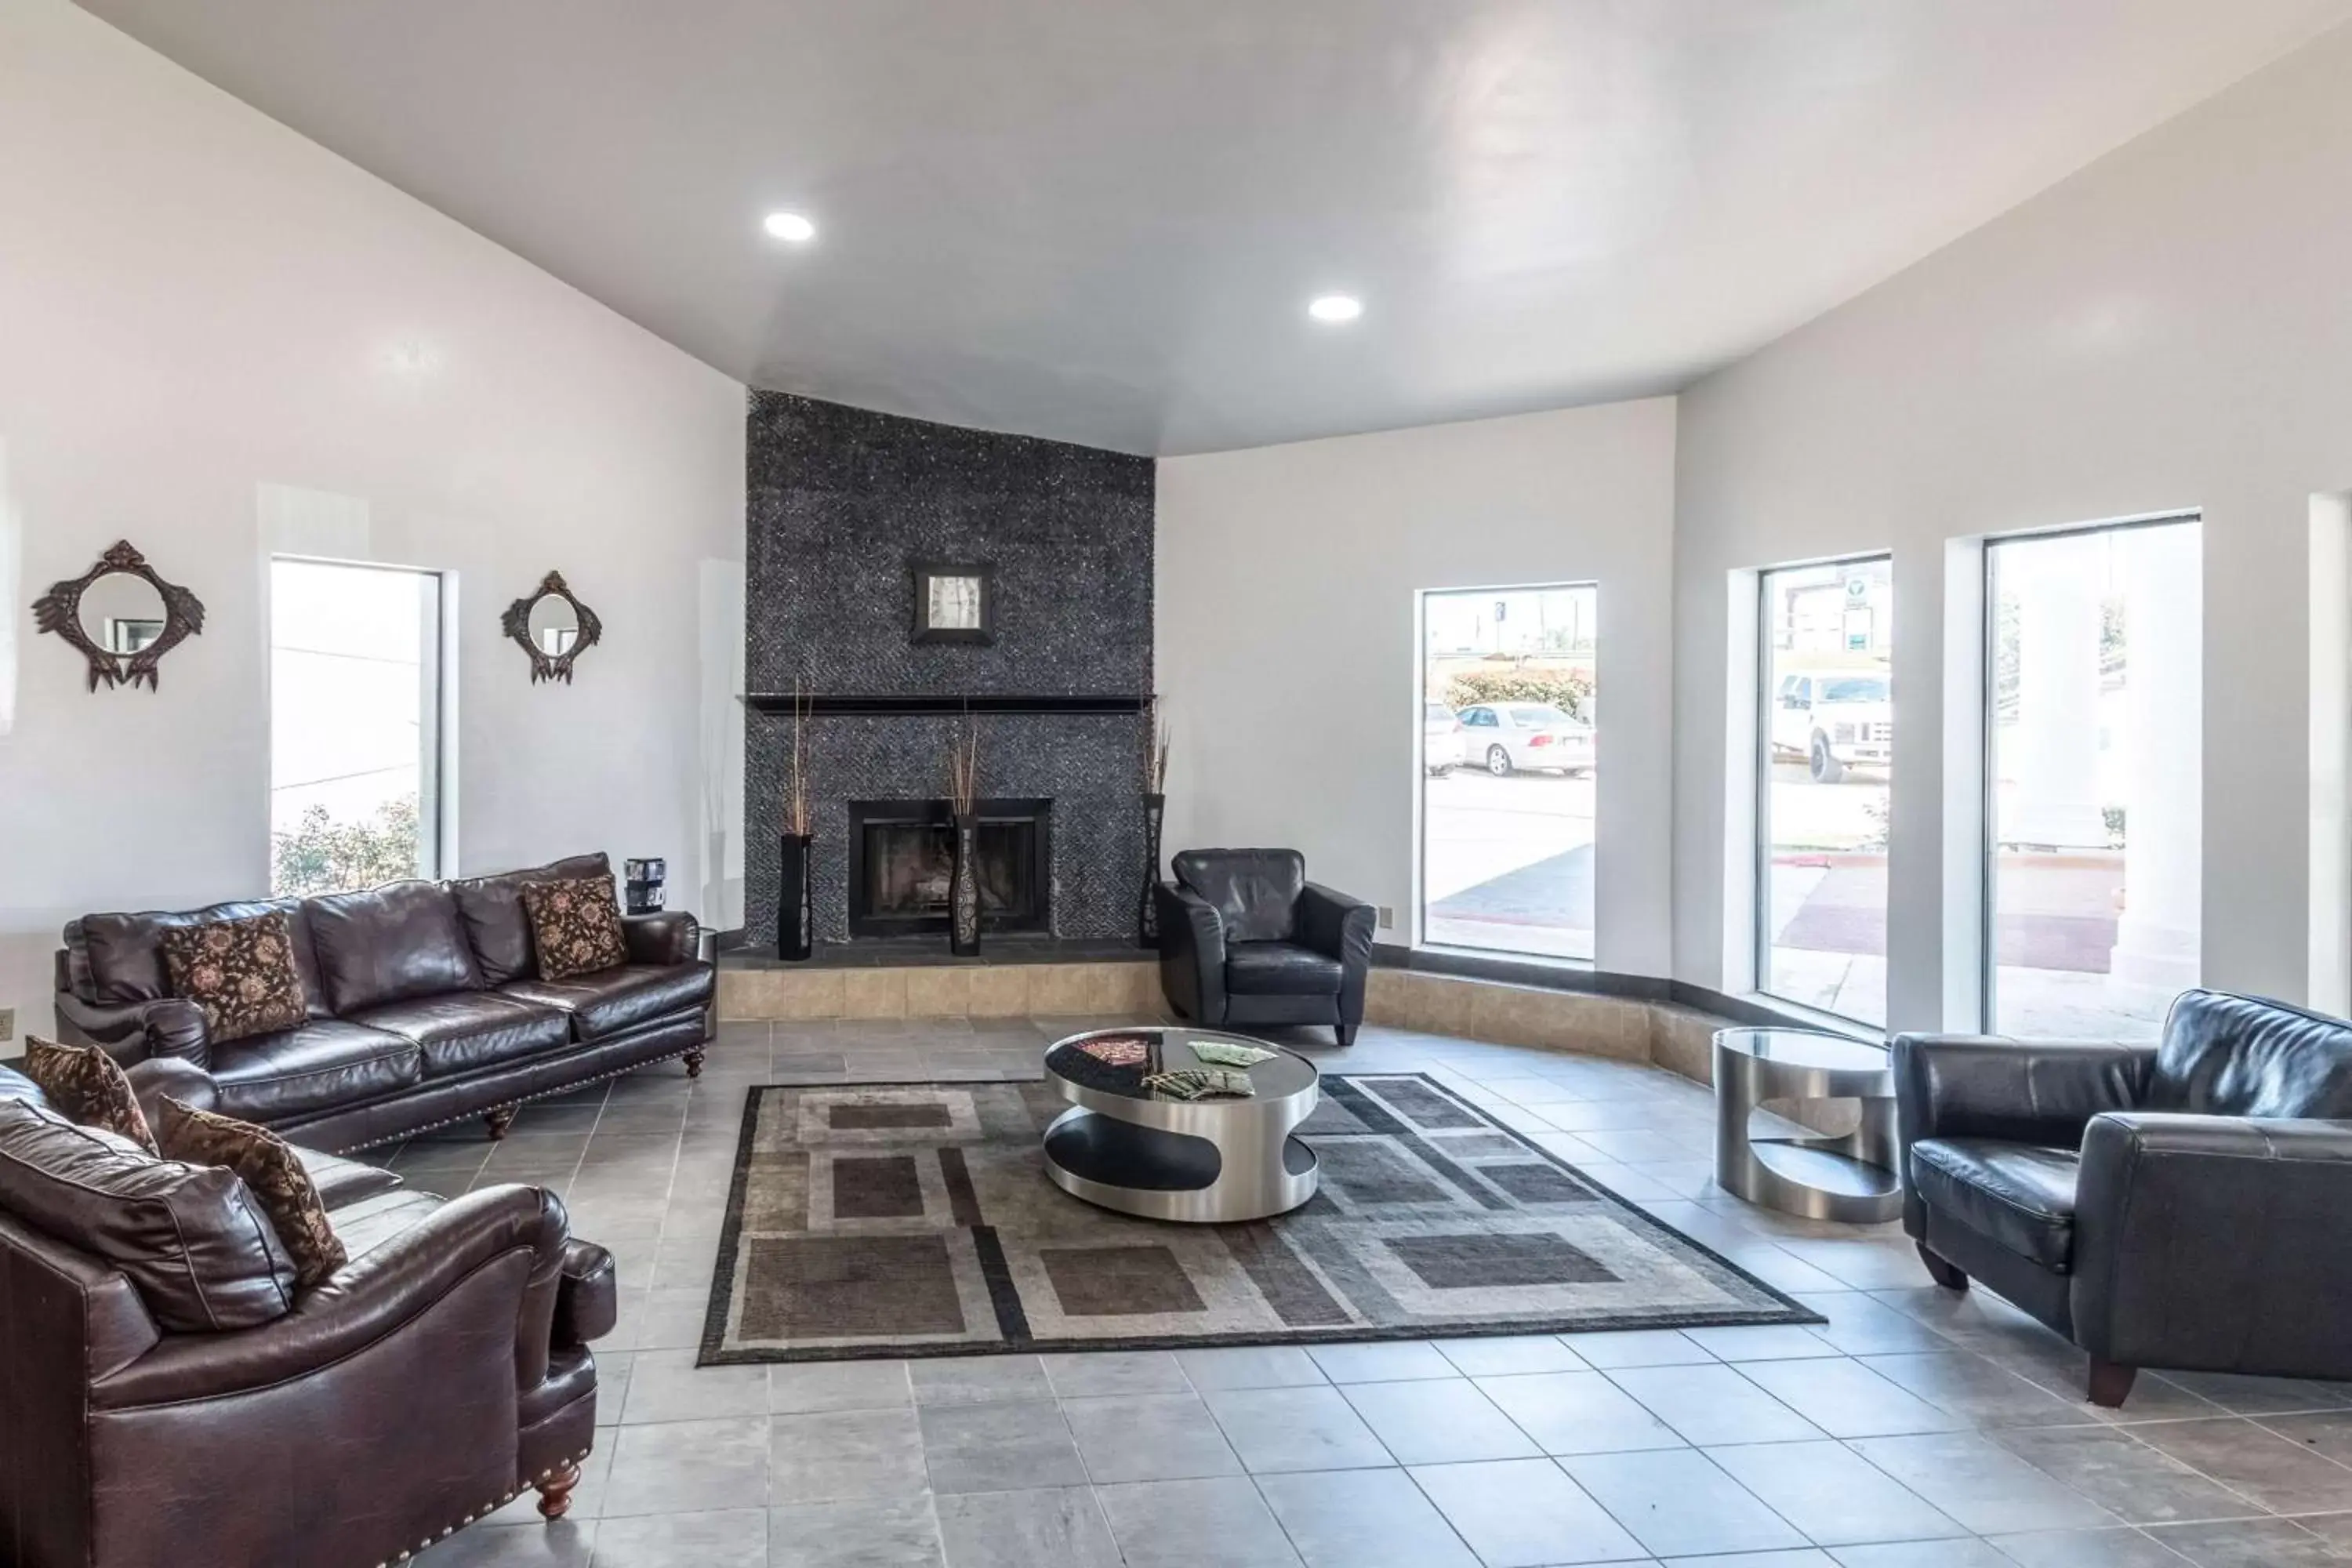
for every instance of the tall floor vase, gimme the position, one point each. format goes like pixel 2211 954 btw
pixel 964 889
pixel 1147 911
pixel 793 898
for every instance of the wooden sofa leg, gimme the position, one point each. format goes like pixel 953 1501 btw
pixel 1941 1272
pixel 2110 1384
pixel 694 1064
pixel 498 1120
pixel 555 1492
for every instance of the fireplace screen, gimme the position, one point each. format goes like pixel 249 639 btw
pixel 901 853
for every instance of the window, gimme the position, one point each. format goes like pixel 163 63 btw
pixel 1508 759
pixel 2093 737
pixel 1824 746
pixel 354 725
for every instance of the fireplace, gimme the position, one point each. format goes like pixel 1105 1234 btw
pixel 902 851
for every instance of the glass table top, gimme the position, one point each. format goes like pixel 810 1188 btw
pixel 1106 1069
pixel 1806 1048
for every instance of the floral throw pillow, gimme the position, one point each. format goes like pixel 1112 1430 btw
pixel 89 1087
pixel 239 973
pixel 271 1171
pixel 575 926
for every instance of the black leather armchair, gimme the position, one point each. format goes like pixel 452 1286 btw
pixel 1245 938
pixel 2174 1205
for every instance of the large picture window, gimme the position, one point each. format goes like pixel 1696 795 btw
pixel 1825 740
pixel 2094 720
pixel 1509 757
pixel 354 725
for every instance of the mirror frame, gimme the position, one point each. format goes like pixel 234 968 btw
pixel 60 611
pixel 516 623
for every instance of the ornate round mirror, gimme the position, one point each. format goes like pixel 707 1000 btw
pixel 122 617
pixel 553 627
pixel 123 612
pixel 554 624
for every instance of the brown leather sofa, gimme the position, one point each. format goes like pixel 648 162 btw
pixel 443 1368
pixel 424 1006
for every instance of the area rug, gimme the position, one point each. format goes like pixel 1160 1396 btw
pixel 915 1219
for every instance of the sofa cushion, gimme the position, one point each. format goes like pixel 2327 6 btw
pixel 2243 1056
pixel 272 1173
pixel 342 1181
pixel 239 973
pixel 2018 1195
pixel 389 943
pixel 1255 890
pixel 491 910
pixel 1280 969
pixel 317 1067
pixel 470 1029
pixel 576 927
pixel 123 954
pixel 190 1238
pixel 89 1087
pixel 366 1224
pixel 611 1000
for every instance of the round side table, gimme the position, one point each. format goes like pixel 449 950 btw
pixel 1851 1179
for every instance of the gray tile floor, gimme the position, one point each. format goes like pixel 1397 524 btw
pixel 1916 1429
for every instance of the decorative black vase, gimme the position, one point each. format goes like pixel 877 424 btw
pixel 963 887
pixel 1147 917
pixel 792 899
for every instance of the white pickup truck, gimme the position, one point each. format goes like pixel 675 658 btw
pixel 1835 719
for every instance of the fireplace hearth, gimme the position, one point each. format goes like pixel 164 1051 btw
pixel 901 853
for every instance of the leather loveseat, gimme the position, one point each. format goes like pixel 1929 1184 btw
pixel 440 1371
pixel 2180 1205
pixel 423 1001
pixel 1245 938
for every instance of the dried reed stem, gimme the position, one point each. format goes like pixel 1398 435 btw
pixel 964 768
pixel 796 793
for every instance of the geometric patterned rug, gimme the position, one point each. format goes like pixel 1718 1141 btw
pixel 915 1219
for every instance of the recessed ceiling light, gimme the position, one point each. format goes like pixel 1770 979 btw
pixel 1336 308
pixel 791 227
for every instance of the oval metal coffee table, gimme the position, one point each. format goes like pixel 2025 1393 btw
pixel 1851 1179
pixel 1208 1161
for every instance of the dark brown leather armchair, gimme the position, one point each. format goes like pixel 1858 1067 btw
pixel 2178 1204
pixel 439 1371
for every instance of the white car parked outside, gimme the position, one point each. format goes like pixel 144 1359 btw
pixel 1441 739
pixel 1507 737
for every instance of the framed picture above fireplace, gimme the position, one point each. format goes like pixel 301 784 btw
pixel 954 602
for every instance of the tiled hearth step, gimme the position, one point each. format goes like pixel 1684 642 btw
pixel 967 991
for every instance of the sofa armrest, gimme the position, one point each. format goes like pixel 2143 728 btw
pixel 133 1031
pixel 184 1081
pixel 1192 953
pixel 587 1300
pixel 2214 1243
pixel 664 938
pixel 1342 927
pixel 370 1297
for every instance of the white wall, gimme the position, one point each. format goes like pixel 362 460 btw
pixel 1287 583
pixel 2170 329
pixel 217 339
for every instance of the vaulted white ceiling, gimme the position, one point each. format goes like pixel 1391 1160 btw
pixel 1102 220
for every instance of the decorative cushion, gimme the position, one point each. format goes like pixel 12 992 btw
pixel 575 926
pixel 239 973
pixel 89 1086
pixel 272 1171
pixel 492 909
pixel 192 1240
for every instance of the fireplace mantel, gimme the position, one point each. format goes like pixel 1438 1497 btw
pixel 828 705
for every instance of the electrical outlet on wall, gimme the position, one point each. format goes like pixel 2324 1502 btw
pixel 1388 916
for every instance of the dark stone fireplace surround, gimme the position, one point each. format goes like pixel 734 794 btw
pixel 840 500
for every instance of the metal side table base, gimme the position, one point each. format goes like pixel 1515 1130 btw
pixel 1850 1179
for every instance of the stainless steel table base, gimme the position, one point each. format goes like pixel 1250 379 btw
pixel 1850 1179
pixel 1161 1174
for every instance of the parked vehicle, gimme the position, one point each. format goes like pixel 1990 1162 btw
pixel 1835 719
pixel 1505 737
pixel 1441 739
